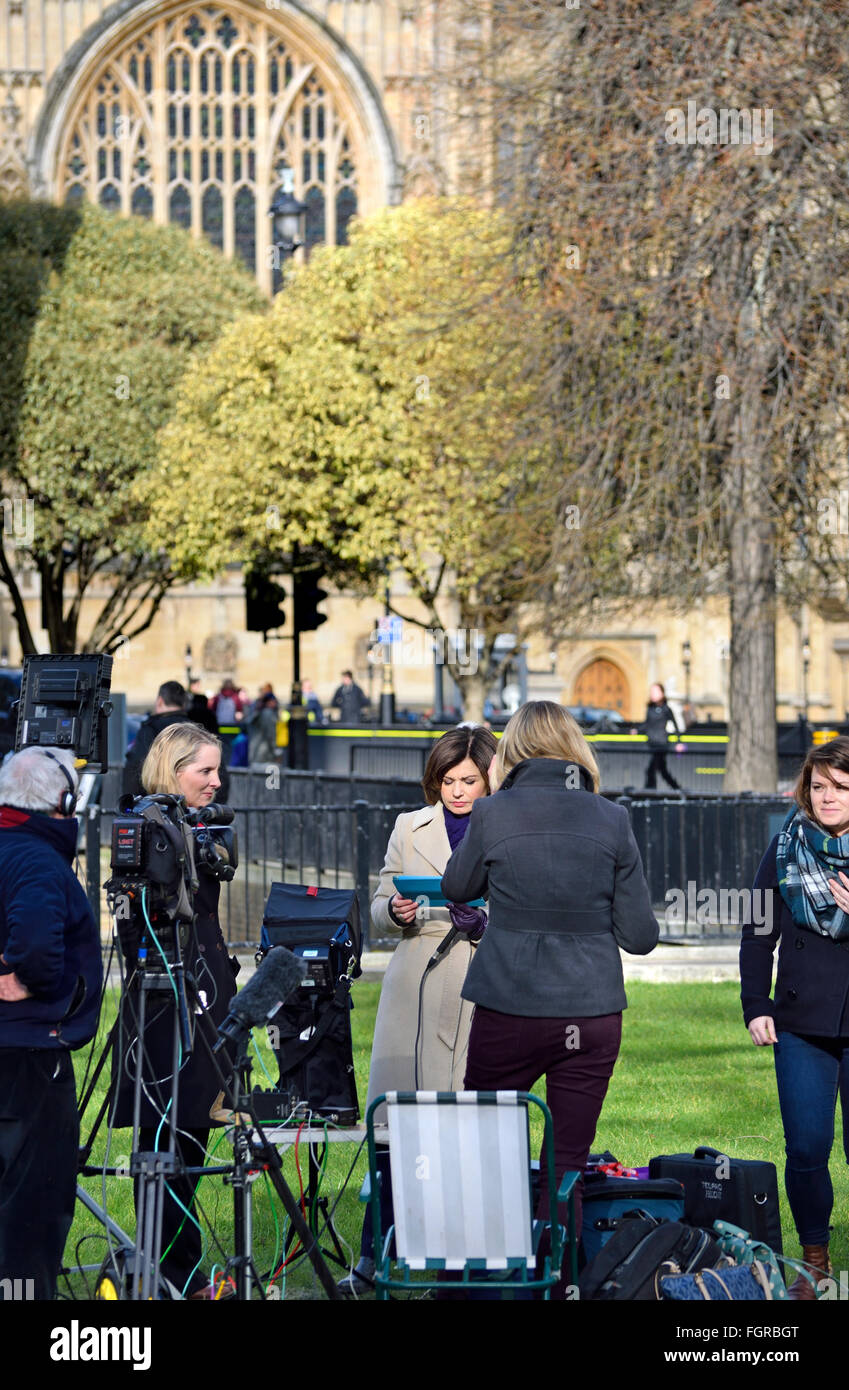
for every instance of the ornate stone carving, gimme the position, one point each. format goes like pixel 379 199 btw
pixel 14 178
pixel 220 654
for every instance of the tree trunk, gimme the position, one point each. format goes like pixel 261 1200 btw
pixel 61 630
pixel 24 630
pixel 752 760
pixel 473 689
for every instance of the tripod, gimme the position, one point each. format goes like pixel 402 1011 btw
pixel 137 1267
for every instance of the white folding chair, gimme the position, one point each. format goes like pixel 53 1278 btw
pixel 462 1193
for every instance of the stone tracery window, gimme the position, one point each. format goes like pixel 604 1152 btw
pixel 189 119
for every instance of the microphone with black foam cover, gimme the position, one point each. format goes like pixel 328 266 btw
pixel 276 979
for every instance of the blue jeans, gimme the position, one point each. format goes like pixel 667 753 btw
pixel 811 1072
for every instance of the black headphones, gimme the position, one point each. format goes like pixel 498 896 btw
pixel 68 800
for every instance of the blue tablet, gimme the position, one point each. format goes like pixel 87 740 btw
pixel 412 886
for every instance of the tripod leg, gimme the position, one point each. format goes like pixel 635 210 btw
pixel 242 1216
pixel 268 1155
pixel 293 1211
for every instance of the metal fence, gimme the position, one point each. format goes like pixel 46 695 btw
pixel 393 775
pixel 700 855
pixel 341 846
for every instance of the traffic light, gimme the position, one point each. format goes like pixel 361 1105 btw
pixel 308 596
pixel 263 597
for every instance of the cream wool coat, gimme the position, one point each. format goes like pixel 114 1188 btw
pixel 419 845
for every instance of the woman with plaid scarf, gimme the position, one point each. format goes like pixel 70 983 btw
pixel 801 900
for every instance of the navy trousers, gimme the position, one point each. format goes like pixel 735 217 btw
pixel 39 1143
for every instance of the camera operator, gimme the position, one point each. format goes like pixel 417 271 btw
pixel 50 979
pixel 183 760
pixel 170 708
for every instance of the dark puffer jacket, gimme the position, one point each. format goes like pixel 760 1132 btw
pixel 562 873
pixel 48 937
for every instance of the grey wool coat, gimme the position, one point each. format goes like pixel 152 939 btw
pixel 562 872
pixel 419 845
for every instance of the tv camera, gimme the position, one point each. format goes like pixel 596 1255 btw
pixel 159 847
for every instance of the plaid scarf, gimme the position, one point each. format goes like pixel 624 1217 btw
pixel 807 858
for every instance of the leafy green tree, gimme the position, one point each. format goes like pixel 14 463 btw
pixel 99 318
pixel 380 414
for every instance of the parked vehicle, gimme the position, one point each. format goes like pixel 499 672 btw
pixel 10 689
pixel 597 720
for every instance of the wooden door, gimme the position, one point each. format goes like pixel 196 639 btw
pixel 602 683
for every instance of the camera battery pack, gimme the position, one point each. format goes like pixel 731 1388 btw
pixel 127 843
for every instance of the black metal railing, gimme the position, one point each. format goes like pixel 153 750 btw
pixel 329 846
pixel 700 854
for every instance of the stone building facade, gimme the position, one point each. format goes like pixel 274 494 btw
pixel 187 113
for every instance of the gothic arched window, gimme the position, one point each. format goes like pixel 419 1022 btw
pixel 189 120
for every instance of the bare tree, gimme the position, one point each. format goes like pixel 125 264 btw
pixel 678 174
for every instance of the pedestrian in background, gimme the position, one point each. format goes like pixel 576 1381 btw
pixel 312 702
pixel 198 709
pixel 169 708
pixel 349 699
pixel 261 724
pixel 227 706
pixel 658 716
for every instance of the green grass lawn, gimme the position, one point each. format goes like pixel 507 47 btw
pixel 687 1075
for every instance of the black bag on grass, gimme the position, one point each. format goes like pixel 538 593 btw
pixel 642 1249
pixel 743 1191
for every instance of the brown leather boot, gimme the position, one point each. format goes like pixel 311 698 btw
pixel 816 1259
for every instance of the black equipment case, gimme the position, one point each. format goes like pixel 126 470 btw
pixel 313 1028
pixel 743 1191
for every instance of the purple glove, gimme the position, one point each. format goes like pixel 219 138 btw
pixel 471 921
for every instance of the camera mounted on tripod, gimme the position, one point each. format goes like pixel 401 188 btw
pixel 159 846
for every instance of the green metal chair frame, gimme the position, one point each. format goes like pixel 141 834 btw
pixel 475 1275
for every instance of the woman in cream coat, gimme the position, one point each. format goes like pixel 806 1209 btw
pixel 421 1034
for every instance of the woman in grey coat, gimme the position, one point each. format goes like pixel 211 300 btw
pixel 561 872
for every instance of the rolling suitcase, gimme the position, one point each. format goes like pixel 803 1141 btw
pixel 743 1191
pixel 607 1199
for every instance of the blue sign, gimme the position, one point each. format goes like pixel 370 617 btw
pixel 390 629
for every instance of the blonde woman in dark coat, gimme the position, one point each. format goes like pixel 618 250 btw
pixel 561 872
pixel 421 1034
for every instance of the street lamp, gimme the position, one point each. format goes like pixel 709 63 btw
pixel 288 214
pixel 686 653
pixel 806 666
pixel 288 217
pixel 387 694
